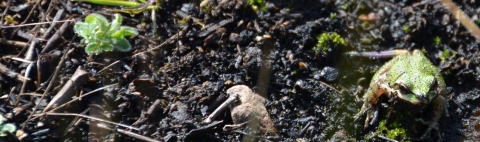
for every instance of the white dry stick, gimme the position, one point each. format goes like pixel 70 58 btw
pixel 220 108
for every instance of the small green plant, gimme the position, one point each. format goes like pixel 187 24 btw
pixel 257 4
pixel 325 38
pixel 406 28
pixel 333 15
pixel 395 133
pixel 437 40
pixel 6 127
pixel 101 36
pixel 344 6
pixel 447 54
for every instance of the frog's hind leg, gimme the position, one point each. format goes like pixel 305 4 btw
pixel 438 109
pixel 366 106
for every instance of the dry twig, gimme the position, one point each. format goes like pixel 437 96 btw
pixel 88 117
pixel 464 19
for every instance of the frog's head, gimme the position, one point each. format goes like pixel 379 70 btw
pixel 416 88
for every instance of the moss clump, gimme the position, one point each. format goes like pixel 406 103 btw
pixel 406 28
pixel 447 54
pixel 257 5
pixel 437 40
pixel 395 133
pixel 325 38
pixel 333 15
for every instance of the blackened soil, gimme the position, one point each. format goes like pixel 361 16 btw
pixel 187 69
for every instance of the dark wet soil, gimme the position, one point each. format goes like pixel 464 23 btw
pixel 178 72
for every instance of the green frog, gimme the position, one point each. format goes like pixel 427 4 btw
pixel 412 80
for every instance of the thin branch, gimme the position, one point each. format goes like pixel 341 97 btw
pixel 13 42
pixel 135 135
pixel 58 15
pixel 34 24
pixel 14 75
pixel 5 12
pixel 50 43
pixel 75 99
pixel 88 117
pixel 80 97
pixel 128 133
pixel 55 75
pixel 27 73
pixel 78 78
pixel 220 108
pixel 27 18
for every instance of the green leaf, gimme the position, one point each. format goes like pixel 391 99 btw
pixel 120 34
pixel 123 45
pixel 101 35
pixel 80 28
pixel 129 31
pixel 105 46
pixel 98 19
pixel 117 21
pixel 8 127
pixel 90 48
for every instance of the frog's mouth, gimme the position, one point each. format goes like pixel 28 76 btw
pixel 418 96
pixel 419 99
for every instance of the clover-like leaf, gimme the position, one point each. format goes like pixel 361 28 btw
pixel 129 31
pixel 7 127
pixel 123 45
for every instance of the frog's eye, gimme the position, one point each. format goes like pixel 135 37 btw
pixel 402 87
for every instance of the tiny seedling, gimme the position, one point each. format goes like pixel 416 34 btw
pixel 6 127
pixel 437 40
pixel 257 4
pixel 406 28
pixel 101 36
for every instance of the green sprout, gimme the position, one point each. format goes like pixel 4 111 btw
pixel 437 40
pixel 325 38
pixel 101 36
pixel 447 54
pixel 11 19
pixel 393 133
pixel 344 6
pixel 406 28
pixel 333 15
pixel 6 127
pixel 257 4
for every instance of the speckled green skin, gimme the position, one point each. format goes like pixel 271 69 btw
pixel 421 80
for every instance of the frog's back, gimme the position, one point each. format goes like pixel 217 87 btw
pixel 415 63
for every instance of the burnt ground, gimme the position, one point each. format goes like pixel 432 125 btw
pixel 186 70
